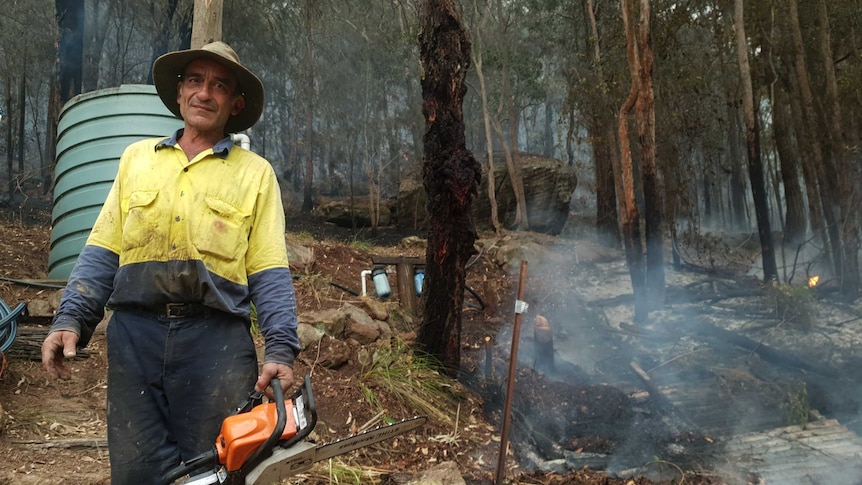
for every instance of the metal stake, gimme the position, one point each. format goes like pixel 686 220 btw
pixel 520 307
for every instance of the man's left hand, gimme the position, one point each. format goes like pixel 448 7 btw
pixel 269 371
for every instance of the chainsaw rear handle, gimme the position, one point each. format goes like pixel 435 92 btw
pixel 266 447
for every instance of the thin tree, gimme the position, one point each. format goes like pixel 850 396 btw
pixel 629 213
pixel 752 142
pixel 645 114
pixel 451 177
pixel 308 180
pixel 486 117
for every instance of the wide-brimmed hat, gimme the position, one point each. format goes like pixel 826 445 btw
pixel 168 71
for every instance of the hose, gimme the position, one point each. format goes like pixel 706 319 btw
pixel 8 324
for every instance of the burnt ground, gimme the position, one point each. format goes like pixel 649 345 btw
pixel 665 402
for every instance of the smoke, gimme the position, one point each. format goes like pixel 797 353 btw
pixel 718 379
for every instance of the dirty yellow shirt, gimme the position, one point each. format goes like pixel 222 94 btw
pixel 208 230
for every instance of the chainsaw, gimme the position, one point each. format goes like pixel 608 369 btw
pixel 263 443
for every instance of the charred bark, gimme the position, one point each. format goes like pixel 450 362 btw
pixel 645 109
pixel 451 176
pixel 752 142
pixel 794 221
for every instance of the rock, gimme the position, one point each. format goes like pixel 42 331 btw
pixel 340 213
pixel 414 242
pixel 2 420
pixel 332 321
pixel 308 335
pixel 445 473
pixel 300 257
pixel 333 353
pixel 40 308
pixel 548 187
pixel 376 308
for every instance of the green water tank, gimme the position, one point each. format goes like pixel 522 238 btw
pixel 93 131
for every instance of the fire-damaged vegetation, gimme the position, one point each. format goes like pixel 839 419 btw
pixel 722 385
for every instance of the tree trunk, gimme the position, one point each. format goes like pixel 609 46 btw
pixel 752 142
pixel 9 146
pixel 307 196
pixel 794 222
pixel 645 114
pixel 207 23
pixel 22 117
pixel 451 176
pixel 486 117
pixel 629 213
pixel 599 127
pixel 510 146
pixel 826 189
pixel 847 182
pixel 70 21
pixel 738 206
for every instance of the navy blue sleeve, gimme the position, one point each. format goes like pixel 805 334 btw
pixel 90 284
pixel 274 298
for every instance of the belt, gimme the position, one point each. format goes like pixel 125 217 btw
pixel 173 310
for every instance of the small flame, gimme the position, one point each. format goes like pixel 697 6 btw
pixel 812 281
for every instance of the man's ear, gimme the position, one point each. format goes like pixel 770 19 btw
pixel 238 105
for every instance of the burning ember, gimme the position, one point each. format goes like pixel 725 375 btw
pixel 812 281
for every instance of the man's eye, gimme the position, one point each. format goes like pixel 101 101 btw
pixel 222 88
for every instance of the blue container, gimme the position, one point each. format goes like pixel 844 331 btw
pixel 419 280
pixel 381 282
pixel 93 131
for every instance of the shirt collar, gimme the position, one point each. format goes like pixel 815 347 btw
pixel 222 148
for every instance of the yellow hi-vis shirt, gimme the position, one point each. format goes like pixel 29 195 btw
pixel 208 230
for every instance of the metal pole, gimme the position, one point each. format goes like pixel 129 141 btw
pixel 520 307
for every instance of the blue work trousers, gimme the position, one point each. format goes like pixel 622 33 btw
pixel 171 382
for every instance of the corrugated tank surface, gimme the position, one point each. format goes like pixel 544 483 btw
pixel 93 131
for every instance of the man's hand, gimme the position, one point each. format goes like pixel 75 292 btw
pixel 56 348
pixel 270 370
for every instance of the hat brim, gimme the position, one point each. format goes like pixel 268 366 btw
pixel 168 71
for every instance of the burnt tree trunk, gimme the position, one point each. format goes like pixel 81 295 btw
pixel 752 142
pixel 794 221
pixel 451 176
pixel 645 111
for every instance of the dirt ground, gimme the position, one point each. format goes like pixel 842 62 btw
pixel 53 432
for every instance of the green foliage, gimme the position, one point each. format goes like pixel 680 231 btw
pixel 792 303
pixel 796 406
pixel 411 377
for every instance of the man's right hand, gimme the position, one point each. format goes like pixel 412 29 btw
pixel 57 347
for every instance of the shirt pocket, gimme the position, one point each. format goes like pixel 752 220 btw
pixel 142 225
pixel 222 231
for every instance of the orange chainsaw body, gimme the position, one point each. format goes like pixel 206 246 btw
pixel 242 434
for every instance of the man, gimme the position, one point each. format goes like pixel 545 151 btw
pixel 191 234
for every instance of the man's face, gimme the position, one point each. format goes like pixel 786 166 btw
pixel 208 96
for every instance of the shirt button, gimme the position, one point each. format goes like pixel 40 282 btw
pixel 186 169
pixel 174 247
pixel 177 219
